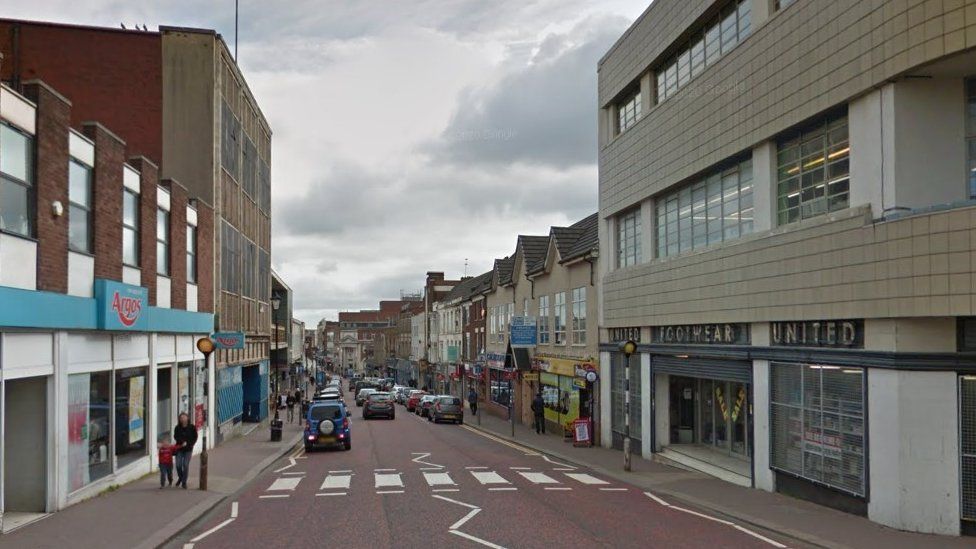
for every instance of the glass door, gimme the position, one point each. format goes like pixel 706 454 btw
pixel 739 418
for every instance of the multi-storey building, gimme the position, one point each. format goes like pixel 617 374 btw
pixel 500 304
pixel 435 289
pixel 358 333
pixel 180 99
pixel 474 314
pixel 97 331
pixel 786 208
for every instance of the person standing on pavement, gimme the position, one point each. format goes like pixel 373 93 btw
pixel 538 410
pixel 186 437
pixel 290 403
pixel 473 400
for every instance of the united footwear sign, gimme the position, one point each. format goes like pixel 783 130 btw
pixel 121 306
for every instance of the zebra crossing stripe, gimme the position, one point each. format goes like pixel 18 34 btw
pixel 538 478
pixel 585 479
pixel 386 480
pixel 289 483
pixel 439 479
pixel 488 477
pixel 337 482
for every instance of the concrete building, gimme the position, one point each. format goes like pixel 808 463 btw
pixel 188 109
pixel 786 212
pixel 97 333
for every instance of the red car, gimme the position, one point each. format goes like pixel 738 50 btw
pixel 413 399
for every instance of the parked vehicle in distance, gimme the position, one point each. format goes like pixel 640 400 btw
pixel 327 424
pixel 395 392
pixel 446 408
pixel 379 404
pixel 426 401
pixel 413 399
pixel 363 394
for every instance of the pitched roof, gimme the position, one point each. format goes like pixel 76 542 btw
pixel 504 268
pixel 534 250
pixel 469 287
pixel 588 241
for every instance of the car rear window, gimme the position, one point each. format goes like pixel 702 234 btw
pixel 326 412
pixel 379 398
pixel 451 400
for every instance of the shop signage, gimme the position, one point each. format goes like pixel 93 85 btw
pixel 121 306
pixel 818 333
pixel 523 332
pixel 579 383
pixel 702 334
pixel 618 335
pixel 530 376
pixel 495 360
pixel 452 353
pixel 581 432
pixel 228 340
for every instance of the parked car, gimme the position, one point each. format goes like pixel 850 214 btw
pixel 379 404
pixel 446 408
pixel 413 399
pixel 327 394
pixel 327 424
pixel 426 401
pixel 401 393
pixel 395 392
pixel 363 394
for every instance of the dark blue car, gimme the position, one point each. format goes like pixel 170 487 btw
pixel 327 424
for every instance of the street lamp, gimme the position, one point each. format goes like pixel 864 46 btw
pixel 275 303
pixel 206 346
pixel 627 348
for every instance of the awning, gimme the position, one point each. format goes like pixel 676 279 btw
pixel 521 359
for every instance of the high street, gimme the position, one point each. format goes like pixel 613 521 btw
pixel 411 483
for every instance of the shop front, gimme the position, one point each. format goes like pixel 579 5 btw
pixel 499 385
pixel 566 392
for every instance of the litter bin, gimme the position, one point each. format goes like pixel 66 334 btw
pixel 276 430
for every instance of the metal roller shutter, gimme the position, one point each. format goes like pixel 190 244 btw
pixel 725 370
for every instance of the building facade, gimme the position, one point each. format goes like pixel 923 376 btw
pixel 97 333
pixel 786 207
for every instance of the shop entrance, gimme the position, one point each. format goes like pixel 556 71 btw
pixel 710 419
pixel 24 451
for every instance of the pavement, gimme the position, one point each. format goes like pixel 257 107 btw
pixel 140 515
pixel 794 522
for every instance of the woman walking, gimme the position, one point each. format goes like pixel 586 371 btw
pixel 186 437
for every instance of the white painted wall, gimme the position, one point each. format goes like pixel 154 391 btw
pixel 662 405
pixel 162 198
pixel 606 414
pixel 872 158
pixel 165 348
pixel 26 354
pixel 646 415
pixel 81 274
pixel 130 178
pixel 130 350
pixel 763 476
pixel 18 262
pixel 81 148
pixel 191 297
pixel 17 110
pixel 163 291
pixel 914 450
pixel 131 275
pixel 764 186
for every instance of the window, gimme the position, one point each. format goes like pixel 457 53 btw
pixel 525 307
pixel 814 171
pixel 16 181
pixel 724 33
pixel 559 317
pixel 79 206
pixel 817 423
pixel 191 253
pixel 543 320
pixel 130 228
pixel 628 238
pixel 500 389
pixel 783 4
pixel 230 258
pixel 162 241
pixel 713 209
pixel 971 134
pixel 579 316
pixel 130 415
pixel 89 428
pixel 628 112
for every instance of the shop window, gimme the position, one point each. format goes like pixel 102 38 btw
pixel 716 208
pixel 162 242
pixel 79 206
pixel 89 428
pixel 813 171
pixel 579 316
pixel 130 228
pixel 16 181
pixel 559 318
pixel 628 238
pixel 130 415
pixel 500 388
pixel 560 398
pixel 164 403
pixel 544 332
pixel 817 424
pixel 971 133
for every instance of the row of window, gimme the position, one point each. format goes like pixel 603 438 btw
pixel 813 178
pixel 245 268
pixel 554 332
pixel 239 156
pixel 971 133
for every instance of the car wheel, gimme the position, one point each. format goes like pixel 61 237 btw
pixel 347 444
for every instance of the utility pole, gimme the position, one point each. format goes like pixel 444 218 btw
pixel 628 349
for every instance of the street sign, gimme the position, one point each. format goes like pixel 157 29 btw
pixel 530 376
pixel 523 332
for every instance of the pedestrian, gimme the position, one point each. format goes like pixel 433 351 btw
pixel 290 403
pixel 166 448
pixel 538 409
pixel 473 400
pixel 186 437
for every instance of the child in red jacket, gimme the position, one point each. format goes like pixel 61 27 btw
pixel 166 452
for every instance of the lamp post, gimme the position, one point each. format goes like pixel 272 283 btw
pixel 275 303
pixel 206 346
pixel 627 348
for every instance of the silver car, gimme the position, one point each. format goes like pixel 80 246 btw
pixel 446 408
pixel 363 395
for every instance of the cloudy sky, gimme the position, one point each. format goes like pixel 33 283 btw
pixel 409 135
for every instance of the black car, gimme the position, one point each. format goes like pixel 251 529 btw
pixel 379 405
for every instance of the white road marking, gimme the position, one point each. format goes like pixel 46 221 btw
pixel 289 466
pixel 446 490
pixel 742 529
pixel 233 510
pixel 336 482
pixel 388 479
pixel 331 494
pixel 585 479
pixel 563 469
pixel 758 536
pixel 488 477
pixel 474 468
pixel 520 468
pixel 522 449
pixel 212 530
pixel 289 483
pixel 558 488
pixel 476 540
pixel 383 470
pixel 342 471
pixel 439 479
pixel 464 519
pixel 431 468
pixel 274 496
pixel 538 478
pixel 502 489
pixel 420 459
pixel 613 489
pixel 389 491
pixel 657 499
pixel 296 473
pixel 187 546
pixel 456 502
pixel 565 465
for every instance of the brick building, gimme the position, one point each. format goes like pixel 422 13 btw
pixel 99 287
pixel 358 334
pixel 179 98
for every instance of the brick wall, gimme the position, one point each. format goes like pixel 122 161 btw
pixel 148 182
pixel 53 118
pixel 177 243
pixel 206 267
pixel 107 196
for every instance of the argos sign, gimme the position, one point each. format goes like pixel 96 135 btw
pixel 228 340
pixel 121 306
